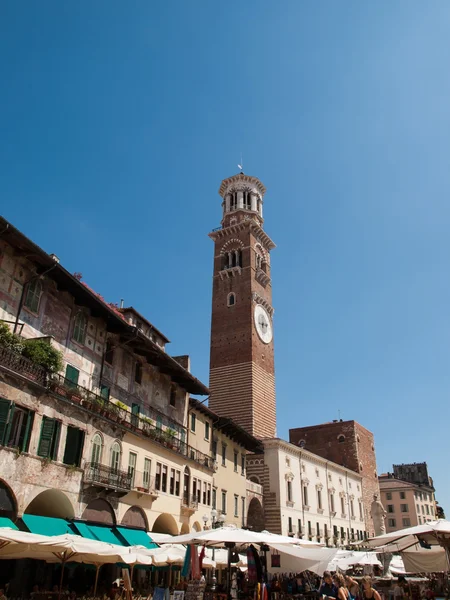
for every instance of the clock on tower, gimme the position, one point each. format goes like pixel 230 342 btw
pixel 242 374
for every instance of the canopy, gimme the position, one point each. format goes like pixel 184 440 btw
pixel 425 560
pixel 295 560
pixel 46 525
pixel 433 532
pixel 5 522
pixel 136 537
pixel 345 559
pixel 174 555
pixel 222 535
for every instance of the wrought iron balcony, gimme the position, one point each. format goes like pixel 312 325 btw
pixel 143 483
pixel 102 476
pixel 23 366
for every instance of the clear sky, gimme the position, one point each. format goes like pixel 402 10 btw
pixel 118 121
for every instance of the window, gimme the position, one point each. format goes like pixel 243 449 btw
pixel 177 482
pixel 79 328
pixel 305 495
pixel 74 446
pixel 214 449
pixel 242 464
pixel 146 473
pixel 15 425
pixel 205 486
pixel 132 459
pixel 404 508
pixel 224 454
pixel 319 499
pixel 97 449
pixel 289 491
pixel 406 522
pixel 49 441
pixel 231 300
pixel 115 456
pixel 138 373
pixel 318 531
pixel 360 510
pixel 158 476
pixel 208 495
pixel 72 375
pixel 341 439
pixel 332 503
pixel 173 396
pixel 214 498
pixel 427 508
pixel 343 505
pixel 390 508
pixel 290 529
pixel 352 509
pixel 224 502
pixel 388 495
pixel 235 459
pixel 402 495
pixel 104 392
pixel 236 506
pixel 420 520
pixel 299 527
pixel 309 529
pixel 199 491
pixel 207 429
pixel 172 482
pixel 423 509
pixel 33 295
pixel 193 419
pixel 109 353
pixel 164 479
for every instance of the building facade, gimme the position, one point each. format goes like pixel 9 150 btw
pixel 307 496
pixel 349 444
pixel 106 439
pixel 242 372
pixel 408 496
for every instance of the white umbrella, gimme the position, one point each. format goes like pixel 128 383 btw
pixel 295 559
pixel 284 539
pixel 173 555
pixel 223 535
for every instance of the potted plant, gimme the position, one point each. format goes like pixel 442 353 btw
pixel 169 437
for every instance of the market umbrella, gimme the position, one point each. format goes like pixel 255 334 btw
pixel 295 559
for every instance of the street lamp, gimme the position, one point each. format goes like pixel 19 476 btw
pixel 205 520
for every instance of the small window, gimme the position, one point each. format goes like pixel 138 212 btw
pixel 15 425
pixel 235 460
pixel 341 439
pixel 109 353
pixel 224 503
pixel 404 508
pixel 74 446
pixel 236 506
pixel 33 296
pixel 158 476
pixel 214 498
pixel 115 456
pixel 390 508
pixel 132 460
pixel 72 375
pixel 388 495
pixel 173 396
pixel 406 522
pixel 207 430
pixel 79 328
pixel 97 449
pixel 402 495
pixel 214 449
pixel 224 454
pixel 231 301
pixel 193 421
pixel 138 373
pixel 242 464
pixel 49 440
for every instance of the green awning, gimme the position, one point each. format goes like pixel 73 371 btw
pixel 5 522
pixel 136 537
pixel 99 533
pixel 46 525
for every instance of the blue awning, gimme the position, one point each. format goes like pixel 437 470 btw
pixel 136 537
pixel 5 522
pixel 46 525
pixel 98 532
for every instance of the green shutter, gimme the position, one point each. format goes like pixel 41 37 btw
pixel 55 445
pixel 27 434
pixel 47 432
pixel 79 448
pixel 72 374
pixel 104 392
pixel 5 408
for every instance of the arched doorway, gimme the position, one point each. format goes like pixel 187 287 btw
pixel 255 515
pixel 187 485
pixel 196 527
pixel 135 517
pixel 8 504
pixel 51 503
pixel 99 511
pixel 165 523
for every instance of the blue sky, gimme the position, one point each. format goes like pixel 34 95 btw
pixel 118 121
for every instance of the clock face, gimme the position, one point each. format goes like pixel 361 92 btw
pixel 263 324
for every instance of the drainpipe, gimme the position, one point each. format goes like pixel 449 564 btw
pixel 328 500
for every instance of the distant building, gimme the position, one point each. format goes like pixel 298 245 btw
pixel 349 444
pixel 407 495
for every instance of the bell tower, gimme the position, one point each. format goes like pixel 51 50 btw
pixel 242 373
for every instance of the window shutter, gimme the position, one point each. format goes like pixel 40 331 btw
pixel 72 374
pixel 5 407
pixel 80 446
pixel 56 437
pixel 27 434
pixel 71 446
pixel 47 432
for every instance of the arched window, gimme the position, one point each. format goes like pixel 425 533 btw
pixel 231 300
pixel 97 449
pixel 79 328
pixel 341 439
pixel 33 295
pixel 115 456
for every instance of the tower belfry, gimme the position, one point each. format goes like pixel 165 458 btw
pixel 242 373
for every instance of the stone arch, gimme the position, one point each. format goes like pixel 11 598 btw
pixel 8 502
pixel 135 517
pixel 232 244
pixel 196 527
pixel 165 523
pixel 51 503
pixel 184 528
pixel 99 511
pixel 255 515
pixel 255 479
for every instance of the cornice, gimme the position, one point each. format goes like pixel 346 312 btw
pixel 242 178
pixel 259 233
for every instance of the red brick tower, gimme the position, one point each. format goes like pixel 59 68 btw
pixel 349 444
pixel 242 373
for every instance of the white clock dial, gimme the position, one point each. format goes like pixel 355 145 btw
pixel 263 324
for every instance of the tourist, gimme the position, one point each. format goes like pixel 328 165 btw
pixel 369 592
pixel 352 586
pixel 342 591
pixel 327 588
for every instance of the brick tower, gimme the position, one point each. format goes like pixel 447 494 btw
pixel 349 444
pixel 242 374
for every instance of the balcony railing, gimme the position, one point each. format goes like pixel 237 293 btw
pixel 136 423
pixel 144 483
pixel 22 365
pixel 104 476
pixel 256 488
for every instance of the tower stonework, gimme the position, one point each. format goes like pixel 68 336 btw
pixel 242 373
